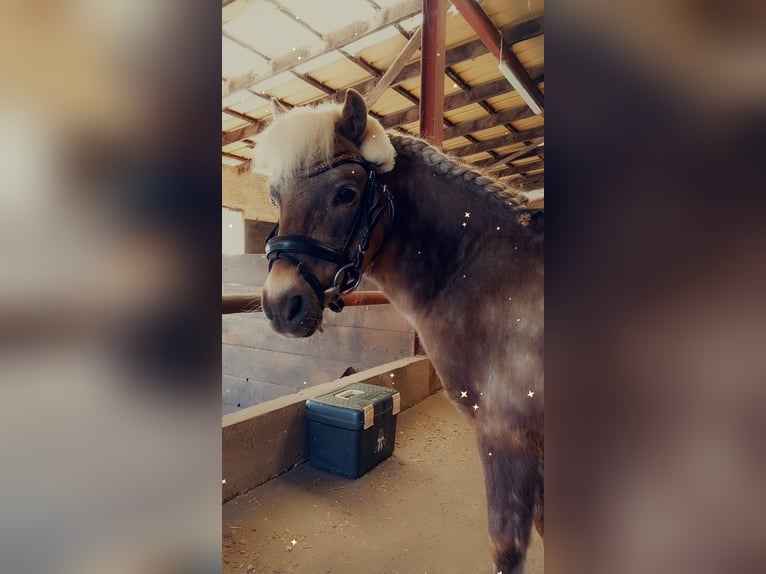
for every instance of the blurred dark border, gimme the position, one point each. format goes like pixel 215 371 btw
pixel 654 287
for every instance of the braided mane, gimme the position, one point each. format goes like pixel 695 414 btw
pixel 457 169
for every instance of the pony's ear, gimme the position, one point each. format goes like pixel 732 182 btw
pixel 278 108
pixel 353 118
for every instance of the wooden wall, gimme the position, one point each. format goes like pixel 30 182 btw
pixel 260 365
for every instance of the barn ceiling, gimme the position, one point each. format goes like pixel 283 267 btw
pixel 303 52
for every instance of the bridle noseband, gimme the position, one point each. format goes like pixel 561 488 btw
pixel 349 273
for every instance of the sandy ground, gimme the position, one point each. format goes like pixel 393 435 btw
pixel 420 511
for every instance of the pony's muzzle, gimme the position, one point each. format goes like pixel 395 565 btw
pixel 289 304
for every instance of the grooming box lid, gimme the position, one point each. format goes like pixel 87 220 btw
pixel 353 406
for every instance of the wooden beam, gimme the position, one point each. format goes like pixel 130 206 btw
pixel 487 145
pixel 241 133
pixel 477 18
pixel 433 57
pixel 500 162
pixel 233 156
pixel 453 102
pixel 314 83
pixel 524 168
pixel 333 41
pixel 251 302
pixel 412 46
pixel 499 118
pixel 526 183
pixel 374 72
pixel 509 139
pixel 239 115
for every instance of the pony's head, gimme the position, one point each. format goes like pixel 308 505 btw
pixel 323 163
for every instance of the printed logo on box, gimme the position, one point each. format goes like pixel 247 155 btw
pixel 381 440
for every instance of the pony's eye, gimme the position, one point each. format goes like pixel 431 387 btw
pixel 344 195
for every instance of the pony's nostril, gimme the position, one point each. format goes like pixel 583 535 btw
pixel 295 308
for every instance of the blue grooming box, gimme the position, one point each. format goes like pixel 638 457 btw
pixel 353 429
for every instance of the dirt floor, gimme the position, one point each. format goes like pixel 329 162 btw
pixel 420 511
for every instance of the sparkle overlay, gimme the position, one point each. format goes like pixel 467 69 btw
pixel 464 224
pixel 498 228
pixel 293 542
pixel 392 375
pixel 531 394
pixel 475 407
pixel 468 214
pixel 223 481
pixel 463 394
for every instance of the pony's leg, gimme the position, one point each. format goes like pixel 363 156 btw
pixel 510 475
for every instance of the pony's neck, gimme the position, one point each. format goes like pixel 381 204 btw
pixel 439 244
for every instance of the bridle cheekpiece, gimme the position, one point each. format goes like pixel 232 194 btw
pixel 349 273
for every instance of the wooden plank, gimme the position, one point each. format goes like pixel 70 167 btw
pixel 281 368
pixel 486 145
pixel 453 102
pixel 247 269
pixel 338 39
pixel 412 46
pixel 500 162
pixel 256 233
pixel 244 132
pixel 313 82
pixel 499 118
pixel 240 392
pixel 339 343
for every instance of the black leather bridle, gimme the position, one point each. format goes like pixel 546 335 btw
pixel 349 273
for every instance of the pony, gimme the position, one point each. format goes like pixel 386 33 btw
pixel 458 254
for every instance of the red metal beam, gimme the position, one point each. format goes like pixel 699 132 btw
pixel 433 57
pixel 251 303
pixel 489 34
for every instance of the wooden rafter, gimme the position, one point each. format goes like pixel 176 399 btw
pixel 239 115
pixel 524 168
pixel 234 156
pixel 314 82
pixel 526 183
pixel 462 53
pixel 453 102
pixel 502 117
pixel 247 131
pixel 487 145
pixel 500 162
pixel 412 46
pixel 333 41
